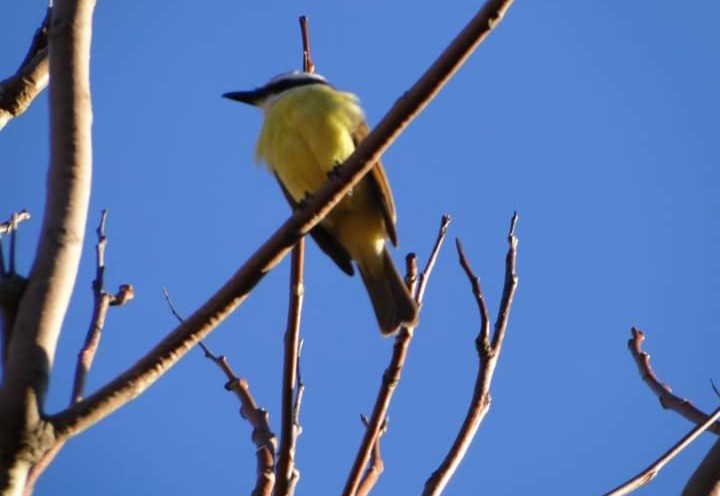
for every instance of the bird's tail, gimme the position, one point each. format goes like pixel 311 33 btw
pixel 390 297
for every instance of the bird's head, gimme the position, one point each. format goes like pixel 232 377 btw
pixel 265 95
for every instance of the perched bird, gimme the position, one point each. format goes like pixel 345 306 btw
pixel 309 129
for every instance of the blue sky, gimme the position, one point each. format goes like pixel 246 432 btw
pixel 597 121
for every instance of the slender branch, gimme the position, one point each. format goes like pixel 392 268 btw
pixel 308 65
pixel 488 355
pixel 668 400
pixel 12 223
pixel 102 301
pixel 287 474
pixel 705 480
pixel 650 472
pixel 158 360
pixel 392 374
pixel 19 90
pixel 377 466
pixel 262 435
pixel 422 283
pixel 12 284
pixel 86 356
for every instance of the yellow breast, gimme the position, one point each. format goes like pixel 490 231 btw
pixel 306 132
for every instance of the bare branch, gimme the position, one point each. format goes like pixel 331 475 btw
pixel 483 340
pixel 668 400
pixel 705 480
pixel 12 223
pixel 488 355
pixel 308 65
pixel 287 475
pixel 102 301
pixel 377 466
pixel 86 356
pixel 157 361
pixel 430 264
pixel 12 284
pixel 392 374
pixel 42 309
pixel 650 472
pixel 19 90
pixel 262 435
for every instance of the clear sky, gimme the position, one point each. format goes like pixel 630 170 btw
pixel 597 121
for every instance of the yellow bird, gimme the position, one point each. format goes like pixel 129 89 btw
pixel 309 129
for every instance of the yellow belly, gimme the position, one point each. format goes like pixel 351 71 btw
pixel 306 133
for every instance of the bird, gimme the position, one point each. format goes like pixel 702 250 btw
pixel 309 129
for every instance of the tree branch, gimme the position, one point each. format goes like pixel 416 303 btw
pixel 19 90
pixel 488 355
pixel 24 436
pixel 650 472
pixel 376 466
pixel 102 301
pixel 668 400
pixel 287 475
pixel 392 374
pixel 705 481
pixel 158 360
pixel 262 435
pixel 12 284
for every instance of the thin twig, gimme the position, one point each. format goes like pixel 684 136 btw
pixel 444 224
pixel 377 466
pixel 668 400
pixel 488 355
pixel 308 65
pixel 650 472
pixel 12 223
pixel 287 474
pixel 391 376
pixel 11 227
pixel 19 90
pixel 101 304
pixel 157 361
pixel 12 284
pixel 102 301
pixel 262 435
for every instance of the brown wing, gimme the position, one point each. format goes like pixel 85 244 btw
pixel 380 187
pixel 326 241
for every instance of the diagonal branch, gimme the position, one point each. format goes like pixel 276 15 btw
pixel 651 472
pixel 377 465
pixel 488 355
pixel 392 374
pixel 262 434
pixel 19 90
pixel 668 400
pixel 165 354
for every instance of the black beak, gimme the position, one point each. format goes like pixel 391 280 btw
pixel 249 97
